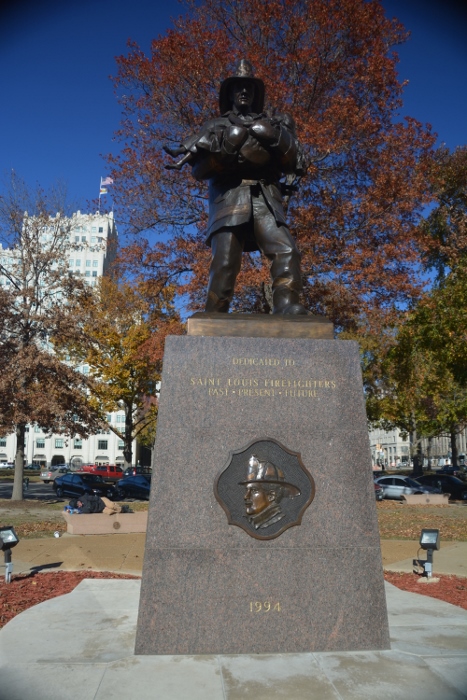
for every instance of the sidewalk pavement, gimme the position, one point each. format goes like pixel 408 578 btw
pixel 119 553
pixel 81 645
pixel 125 553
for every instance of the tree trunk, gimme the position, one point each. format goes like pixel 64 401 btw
pixel 127 443
pixel 429 450
pixel 417 455
pixel 17 494
pixel 267 298
pixel 454 450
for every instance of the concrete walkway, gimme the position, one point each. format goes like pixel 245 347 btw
pixel 81 645
pixel 125 553
pixel 120 553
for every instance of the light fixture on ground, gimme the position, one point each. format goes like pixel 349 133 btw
pixel 8 540
pixel 429 541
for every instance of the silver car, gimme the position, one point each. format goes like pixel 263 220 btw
pixel 51 474
pixel 398 486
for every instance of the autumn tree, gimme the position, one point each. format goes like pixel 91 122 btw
pixel 330 64
pixel 423 390
pixel 443 233
pixel 35 293
pixel 118 331
pixel 419 377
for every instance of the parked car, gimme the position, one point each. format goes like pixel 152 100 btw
pixel 379 492
pixel 452 471
pixel 134 487
pixel 52 473
pixel 133 471
pixel 106 471
pixel 446 484
pixel 33 467
pixel 398 486
pixel 77 483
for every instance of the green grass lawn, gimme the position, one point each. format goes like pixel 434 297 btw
pixel 399 521
pixel 41 519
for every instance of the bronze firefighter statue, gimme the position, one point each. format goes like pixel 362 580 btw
pixel 244 154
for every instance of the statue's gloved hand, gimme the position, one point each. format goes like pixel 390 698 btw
pixel 265 132
pixel 234 138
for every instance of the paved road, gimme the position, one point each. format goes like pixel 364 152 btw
pixel 36 491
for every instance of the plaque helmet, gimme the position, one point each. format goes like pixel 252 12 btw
pixel 267 473
pixel 243 72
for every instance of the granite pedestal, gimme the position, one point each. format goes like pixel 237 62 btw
pixel 210 587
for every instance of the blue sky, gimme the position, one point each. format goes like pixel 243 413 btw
pixel 59 112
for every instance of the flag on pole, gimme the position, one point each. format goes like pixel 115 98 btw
pixel 105 181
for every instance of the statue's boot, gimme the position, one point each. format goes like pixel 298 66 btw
pixel 216 304
pixel 286 300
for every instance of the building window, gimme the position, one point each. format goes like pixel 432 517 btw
pixel 2 442
pixel 78 444
pixel 88 273
pixel 76 239
pixel 94 273
pixel 120 419
pixel 37 429
pixel 40 443
pixel 101 229
pixel 59 442
pixel 120 445
pixel 78 263
pixel 95 263
pixel 71 262
pixel 102 444
pixel 88 263
pixel 93 239
pixel 83 239
pixel 109 418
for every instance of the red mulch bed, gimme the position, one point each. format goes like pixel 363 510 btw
pixel 451 589
pixel 27 590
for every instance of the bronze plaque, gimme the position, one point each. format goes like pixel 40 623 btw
pixel 264 489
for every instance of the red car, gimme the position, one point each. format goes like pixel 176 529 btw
pixel 106 471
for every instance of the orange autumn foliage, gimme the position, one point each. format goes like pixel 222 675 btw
pixel 330 64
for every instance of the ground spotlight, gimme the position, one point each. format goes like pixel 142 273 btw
pixel 429 541
pixel 8 540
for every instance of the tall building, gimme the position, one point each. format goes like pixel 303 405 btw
pixel 390 449
pixel 93 244
pixel 91 249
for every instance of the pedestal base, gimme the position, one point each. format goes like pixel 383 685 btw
pixel 210 587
